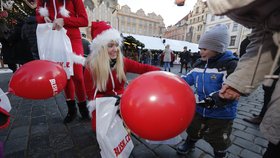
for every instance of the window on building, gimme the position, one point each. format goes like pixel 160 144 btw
pixel 198 37
pixel 140 22
pixel 212 17
pixel 128 29
pixel 191 29
pixel 133 20
pixel 197 10
pixel 133 28
pixel 234 27
pixel 128 20
pixel 232 40
pixel 228 25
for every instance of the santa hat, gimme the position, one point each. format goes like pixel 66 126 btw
pixel 102 33
pixel 43 11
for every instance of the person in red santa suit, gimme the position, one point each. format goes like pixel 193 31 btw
pixel 69 14
pixel 106 67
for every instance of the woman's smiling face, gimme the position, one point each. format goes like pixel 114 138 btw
pixel 113 49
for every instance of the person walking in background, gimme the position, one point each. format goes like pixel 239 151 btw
pixel 29 33
pixel 15 50
pixel 167 57
pixel 184 59
pixel 106 67
pixel 70 15
pixel 86 45
pixel 214 116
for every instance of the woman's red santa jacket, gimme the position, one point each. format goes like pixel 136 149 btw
pixel 129 66
pixel 77 16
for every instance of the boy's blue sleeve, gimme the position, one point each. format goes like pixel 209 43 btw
pixel 188 78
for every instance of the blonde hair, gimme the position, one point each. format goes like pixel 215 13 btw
pixel 99 66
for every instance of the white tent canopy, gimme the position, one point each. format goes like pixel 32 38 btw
pixel 156 43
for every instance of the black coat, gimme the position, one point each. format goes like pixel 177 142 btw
pixel 184 57
pixel 15 50
pixel 29 33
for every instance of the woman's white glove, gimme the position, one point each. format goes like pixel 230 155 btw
pixel 58 24
pixel 91 107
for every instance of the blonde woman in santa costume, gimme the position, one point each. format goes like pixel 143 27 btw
pixel 69 14
pixel 106 67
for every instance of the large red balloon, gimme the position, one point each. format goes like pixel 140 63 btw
pixel 157 105
pixel 38 79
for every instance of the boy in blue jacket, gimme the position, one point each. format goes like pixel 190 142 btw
pixel 214 116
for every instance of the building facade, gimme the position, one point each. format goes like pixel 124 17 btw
pixel 197 21
pixel 123 19
pixel 139 23
pixel 177 31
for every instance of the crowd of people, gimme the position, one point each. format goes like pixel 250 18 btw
pixel 219 78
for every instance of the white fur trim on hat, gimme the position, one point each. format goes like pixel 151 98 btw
pixel 91 107
pixel 103 39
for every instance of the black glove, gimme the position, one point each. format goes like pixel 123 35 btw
pixel 214 101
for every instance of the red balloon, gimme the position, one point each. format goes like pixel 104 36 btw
pixel 157 105
pixel 38 79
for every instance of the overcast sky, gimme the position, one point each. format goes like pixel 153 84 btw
pixel 166 8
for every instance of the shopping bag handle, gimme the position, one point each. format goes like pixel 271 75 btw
pixel 115 96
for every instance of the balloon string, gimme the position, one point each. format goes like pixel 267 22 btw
pixel 4 94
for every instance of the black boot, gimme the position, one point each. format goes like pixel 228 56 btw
pixel 169 70
pixel 84 110
pixel 186 147
pixel 72 111
pixel 220 154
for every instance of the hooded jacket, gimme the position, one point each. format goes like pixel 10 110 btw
pixel 208 77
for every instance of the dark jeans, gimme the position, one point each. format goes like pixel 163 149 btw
pixel 184 65
pixel 272 151
pixel 215 131
pixel 267 94
pixel 13 67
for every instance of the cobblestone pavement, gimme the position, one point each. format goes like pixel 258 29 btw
pixel 36 130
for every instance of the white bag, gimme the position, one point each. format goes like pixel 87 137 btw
pixel 55 46
pixel 4 101
pixel 113 138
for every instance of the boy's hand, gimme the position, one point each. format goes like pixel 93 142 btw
pixel 229 93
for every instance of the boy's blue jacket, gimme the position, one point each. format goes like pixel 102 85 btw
pixel 208 77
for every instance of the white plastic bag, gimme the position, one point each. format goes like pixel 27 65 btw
pixel 55 46
pixel 4 101
pixel 113 138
